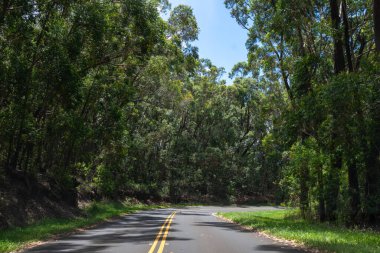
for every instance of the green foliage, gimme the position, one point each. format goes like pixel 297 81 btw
pixel 183 23
pixel 306 156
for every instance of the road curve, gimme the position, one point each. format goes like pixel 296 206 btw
pixel 179 230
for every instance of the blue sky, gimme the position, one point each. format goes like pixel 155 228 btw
pixel 221 39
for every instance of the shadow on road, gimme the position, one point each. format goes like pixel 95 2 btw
pixel 131 229
pixel 224 225
pixel 277 248
pixel 259 248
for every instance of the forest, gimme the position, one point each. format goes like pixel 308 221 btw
pixel 108 99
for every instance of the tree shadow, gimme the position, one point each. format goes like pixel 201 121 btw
pixel 65 247
pixel 223 225
pixel 130 230
pixel 277 248
pixel 192 214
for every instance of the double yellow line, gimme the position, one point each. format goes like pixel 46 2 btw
pixel 163 233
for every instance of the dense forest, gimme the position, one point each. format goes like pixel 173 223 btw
pixel 109 99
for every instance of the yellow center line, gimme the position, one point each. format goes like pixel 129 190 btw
pixel 162 245
pixel 160 233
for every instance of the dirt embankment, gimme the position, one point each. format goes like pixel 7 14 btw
pixel 22 204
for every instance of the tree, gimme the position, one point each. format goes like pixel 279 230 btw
pixel 298 42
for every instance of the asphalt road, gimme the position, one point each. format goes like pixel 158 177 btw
pixel 183 230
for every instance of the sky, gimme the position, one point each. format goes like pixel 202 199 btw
pixel 221 39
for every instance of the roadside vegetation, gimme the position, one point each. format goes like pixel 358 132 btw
pixel 288 225
pixel 19 237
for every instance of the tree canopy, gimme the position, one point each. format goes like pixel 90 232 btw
pixel 107 99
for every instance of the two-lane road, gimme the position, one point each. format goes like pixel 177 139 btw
pixel 184 230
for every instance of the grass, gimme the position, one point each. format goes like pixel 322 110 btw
pixel 17 238
pixel 285 224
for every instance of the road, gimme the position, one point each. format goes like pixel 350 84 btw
pixel 180 230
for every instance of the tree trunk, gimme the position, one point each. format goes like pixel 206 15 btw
pixel 353 185
pixel 372 184
pixel 372 190
pixel 5 7
pixel 304 85
pixel 332 188
pixel 339 63
pixel 376 19
pixel 321 197
pixel 304 191
pixel 347 37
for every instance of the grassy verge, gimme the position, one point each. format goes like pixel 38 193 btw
pixel 285 225
pixel 17 238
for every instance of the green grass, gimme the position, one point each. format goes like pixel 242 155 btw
pixel 285 224
pixel 17 238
